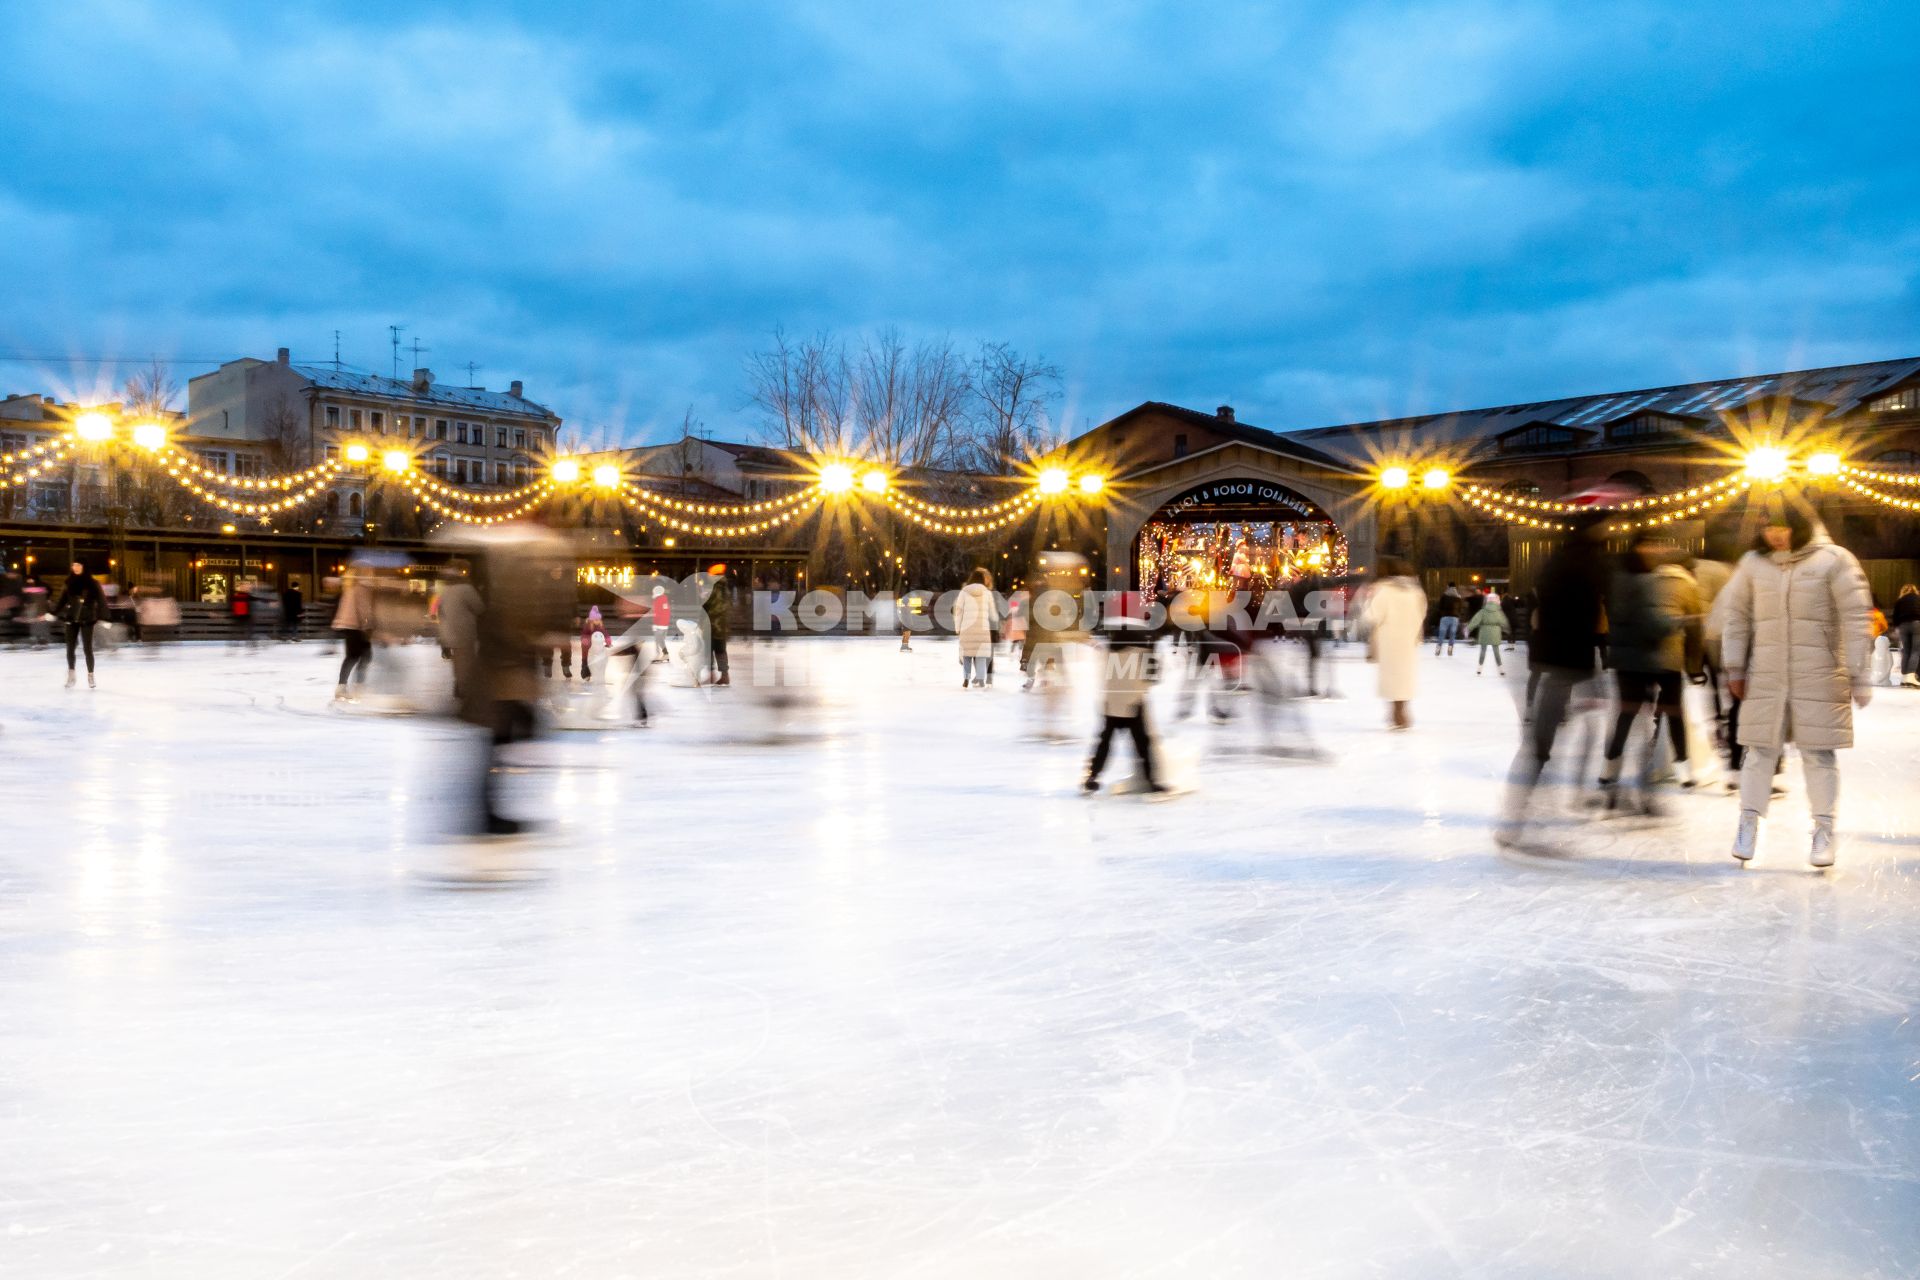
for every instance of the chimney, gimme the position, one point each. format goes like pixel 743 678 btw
pixel 422 381
pixel 514 389
pixel 284 356
pixel 1224 413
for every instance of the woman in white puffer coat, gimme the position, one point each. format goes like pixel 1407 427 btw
pixel 1796 642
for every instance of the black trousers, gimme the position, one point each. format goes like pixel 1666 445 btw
pixel 80 634
pixel 1135 726
pixel 566 660
pixel 512 722
pixel 718 658
pixel 1658 689
pixel 359 647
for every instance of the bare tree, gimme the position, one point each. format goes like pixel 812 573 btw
pixel 805 391
pixel 1013 392
pixel 150 391
pixel 289 443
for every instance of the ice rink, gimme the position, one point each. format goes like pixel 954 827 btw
pixel 891 999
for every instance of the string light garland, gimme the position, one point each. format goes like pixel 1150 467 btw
pixel 538 496
pixel 965 513
pixel 246 507
pixel 1884 499
pixel 808 494
pixel 639 499
pixel 55 446
pixel 175 460
pixel 1506 513
pixel 1720 496
pixel 967 529
pixel 47 460
pixel 453 494
pixel 1903 478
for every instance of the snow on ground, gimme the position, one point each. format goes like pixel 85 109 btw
pixel 893 1000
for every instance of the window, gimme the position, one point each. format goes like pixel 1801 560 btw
pixel 503 437
pixel 246 464
pixel 439 428
pixel 1538 438
pixel 353 506
pixel 219 460
pixel 1645 426
pixel 1180 446
pixel 519 472
pixel 333 506
pixel 353 419
pixel 1634 480
pixel 379 421
pixel 1521 488
pixel 459 433
pixel 1907 398
pixel 460 470
pixel 520 439
pixel 419 427
pixel 333 453
pixel 333 416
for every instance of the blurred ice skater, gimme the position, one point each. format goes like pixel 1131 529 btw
pixel 1396 614
pixel 1129 671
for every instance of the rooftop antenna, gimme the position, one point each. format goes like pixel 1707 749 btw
pixel 417 350
pixel 336 351
pixel 471 384
pixel 393 331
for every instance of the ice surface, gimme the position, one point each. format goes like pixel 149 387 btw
pixel 891 1000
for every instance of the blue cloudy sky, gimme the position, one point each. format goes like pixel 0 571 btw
pixel 1318 212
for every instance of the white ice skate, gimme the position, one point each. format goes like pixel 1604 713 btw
pixel 1821 855
pixel 1746 841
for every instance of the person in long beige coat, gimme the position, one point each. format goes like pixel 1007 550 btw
pixel 1796 641
pixel 975 614
pixel 1396 612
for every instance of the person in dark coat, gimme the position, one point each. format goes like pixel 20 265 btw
pixel 292 605
pixel 1129 675
pixel 82 604
pixel 719 607
pixel 526 593
pixel 1563 654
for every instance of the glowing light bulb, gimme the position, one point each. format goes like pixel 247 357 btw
pixel 606 476
pixel 1824 464
pixel 1767 463
pixel 836 477
pixel 874 482
pixel 395 460
pixel 1054 480
pixel 149 435
pixel 1091 484
pixel 1435 478
pixel 358 453
pixel 566 471
pixel 93 426
pixel 1394 478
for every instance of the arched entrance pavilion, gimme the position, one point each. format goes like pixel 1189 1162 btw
pixel 1196 487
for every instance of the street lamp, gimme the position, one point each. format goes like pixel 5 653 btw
pixel 836 477
pixel 1824 464
pixel 566 470
pixel 1436 478
pixel 1394 478
pixel 1091 484
pixel 93 426
pixel 149 435
pixel 1054 480
pixel 874 482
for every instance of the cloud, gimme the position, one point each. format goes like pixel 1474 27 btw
pixel 1317 211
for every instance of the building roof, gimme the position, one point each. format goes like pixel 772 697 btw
pixel 370 384
pixel 1837 389
pixel 1232 428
